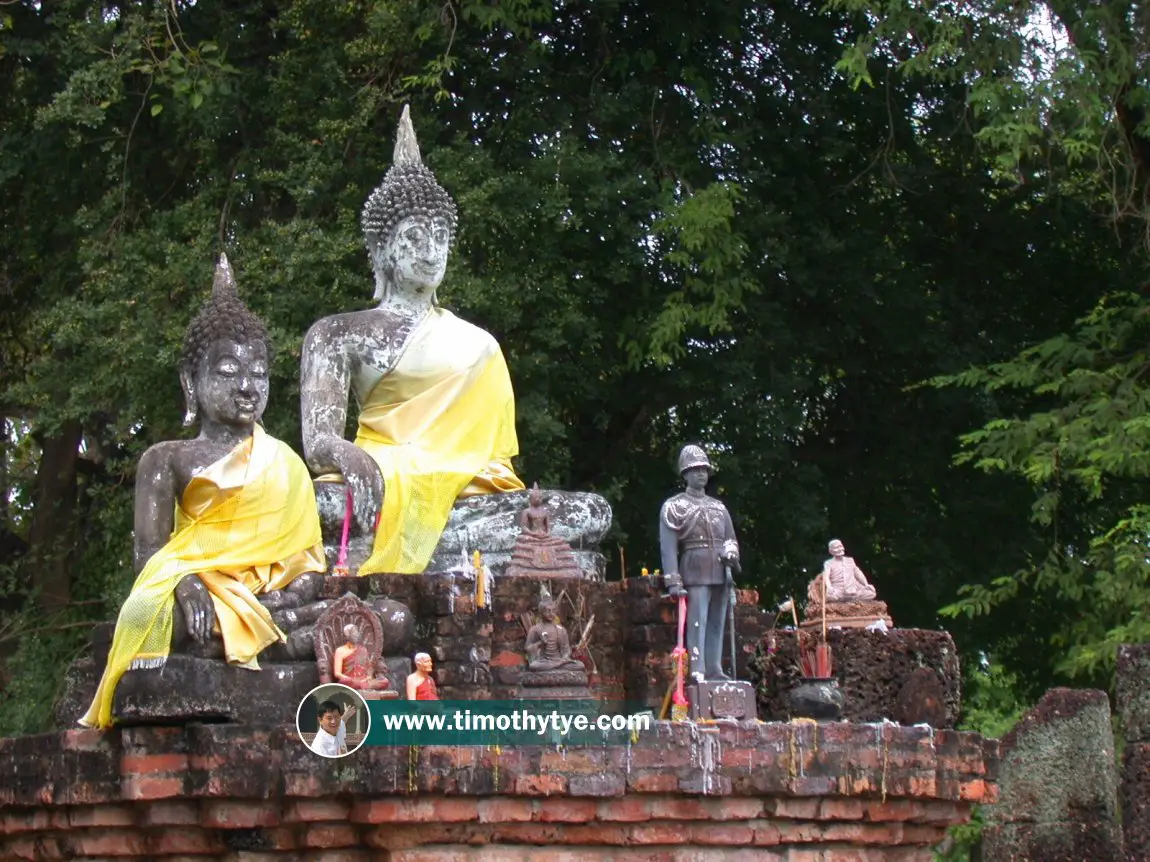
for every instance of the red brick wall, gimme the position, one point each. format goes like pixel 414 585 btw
pixel 721 792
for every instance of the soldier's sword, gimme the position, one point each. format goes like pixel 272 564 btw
pixel 731 619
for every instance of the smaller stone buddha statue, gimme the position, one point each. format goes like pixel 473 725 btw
pixel 420 684
pixel 226 530
pixel 843 590
pixel 552 673
pixel 537 553
pixel 353 666
pixel 548 646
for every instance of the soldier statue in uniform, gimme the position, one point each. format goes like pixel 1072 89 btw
pixel 699 552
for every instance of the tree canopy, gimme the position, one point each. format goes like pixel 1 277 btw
pixel 1060 92
pixel 684 223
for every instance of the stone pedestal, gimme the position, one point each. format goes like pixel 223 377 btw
pixel 189 689
pixel 881 674
pixel 564 684
pixel 846 615
pixel 728 699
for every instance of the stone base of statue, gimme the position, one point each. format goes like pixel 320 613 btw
pixel 715 699
pixel 905 675
pixel 488 523
pixel 847 615
pixel 542 558
pixel 196 684
pixel 559 684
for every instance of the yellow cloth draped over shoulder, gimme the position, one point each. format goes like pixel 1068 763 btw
pixel 440 425
pixel 247 525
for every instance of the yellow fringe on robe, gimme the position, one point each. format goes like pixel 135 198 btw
pixel 440 425
pixel 247 525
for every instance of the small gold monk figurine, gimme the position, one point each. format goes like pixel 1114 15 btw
pixel 548 646
pixel 352 664
pixel 420 684
pixel 226 526
pixel 850 600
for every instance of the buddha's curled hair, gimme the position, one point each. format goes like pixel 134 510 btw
pixel 408 189
pixel 223 316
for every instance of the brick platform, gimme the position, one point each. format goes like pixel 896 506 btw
pixel 703 793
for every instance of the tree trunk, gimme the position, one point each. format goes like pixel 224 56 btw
pixel 50 536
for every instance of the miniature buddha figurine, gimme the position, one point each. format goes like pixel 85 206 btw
pixel 226 529
pixel 536 552
pixel 420 684
pixel 352 664
pixel 436 405
pixel 548 647
pixel 849 599
pixel 700 553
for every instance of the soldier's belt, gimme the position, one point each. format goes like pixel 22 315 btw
pixel 695 544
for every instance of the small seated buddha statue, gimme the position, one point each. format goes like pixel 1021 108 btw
pixel 436 408
pixel 548 647
pixel 353 665
pixel 226 530
pixel 842 591
pixel 536 552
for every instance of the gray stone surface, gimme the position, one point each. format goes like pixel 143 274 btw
pixel 1133 691
pixel 1058 797
pixel 194 689
pixel 488 523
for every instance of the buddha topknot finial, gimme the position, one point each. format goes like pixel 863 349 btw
pixel 406 146
pixel 224 315
pixel 408 189
pixel 224 284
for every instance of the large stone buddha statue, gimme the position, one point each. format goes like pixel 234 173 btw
pixel 430 470
pixel 226 531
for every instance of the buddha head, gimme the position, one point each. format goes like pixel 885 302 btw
pixel 224 368
pixel 547 611
pixel 408 223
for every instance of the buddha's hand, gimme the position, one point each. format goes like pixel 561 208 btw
pixel 196 603
pixel 362 475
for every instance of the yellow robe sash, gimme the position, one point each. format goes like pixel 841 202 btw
pixel 440 425
pixel 247 525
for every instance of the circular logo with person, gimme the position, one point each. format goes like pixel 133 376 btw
pixel 332 720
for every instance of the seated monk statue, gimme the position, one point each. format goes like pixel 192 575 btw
pixel 420 683
pixel 352 665
pixel 226 528
pixel 436 421
pixel 849 597
pixel 547 646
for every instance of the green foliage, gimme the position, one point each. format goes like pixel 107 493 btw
pixel 1058 90
pixel 1057 94
pixel 1088 453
